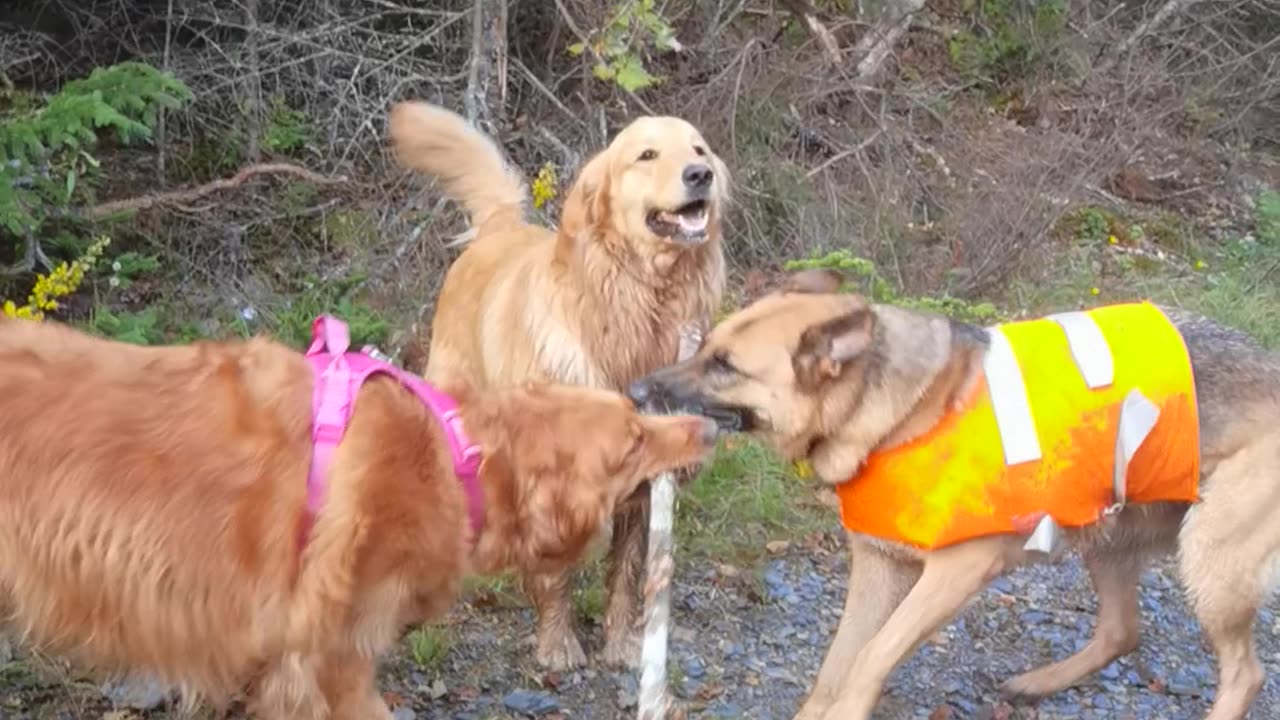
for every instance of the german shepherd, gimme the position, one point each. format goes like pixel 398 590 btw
pixel 828 377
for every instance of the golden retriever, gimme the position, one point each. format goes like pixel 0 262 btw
pixel 153 510
pixel 635 265
pixel 830 378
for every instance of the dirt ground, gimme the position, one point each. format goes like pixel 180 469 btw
pixel 748 642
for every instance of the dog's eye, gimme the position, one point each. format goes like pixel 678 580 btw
pixel 701 151
pixel 720 362
pixel 648 155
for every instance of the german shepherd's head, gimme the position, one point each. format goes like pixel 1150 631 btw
pixel 822 375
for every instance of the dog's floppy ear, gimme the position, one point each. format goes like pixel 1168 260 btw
pixel 588 200
pixel 816 282
pixel 826 348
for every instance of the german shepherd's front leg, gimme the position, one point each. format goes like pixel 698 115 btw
pixel 878 582
pixel 951 576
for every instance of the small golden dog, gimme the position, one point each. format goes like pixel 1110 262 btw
pixel 850 386
pixel 635 264
pixel 154 510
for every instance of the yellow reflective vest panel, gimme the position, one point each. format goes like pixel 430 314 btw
pixel 1074 416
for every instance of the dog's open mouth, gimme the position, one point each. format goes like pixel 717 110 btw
pixel 687 223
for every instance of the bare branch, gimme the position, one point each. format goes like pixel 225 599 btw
pixel 808 15
pixel 190 195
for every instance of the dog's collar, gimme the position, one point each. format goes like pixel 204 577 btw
pixel 338 377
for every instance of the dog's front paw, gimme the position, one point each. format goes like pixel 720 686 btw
pixel 560 651
pixel 623 649
pixel 813 710
pixel 1028 686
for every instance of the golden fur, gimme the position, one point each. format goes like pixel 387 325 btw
pixel 829 378
pixel 600 301
pixel 152 510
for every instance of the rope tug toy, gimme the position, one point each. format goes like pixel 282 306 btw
pixel 656 701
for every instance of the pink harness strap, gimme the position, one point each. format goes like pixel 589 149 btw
pixel 338 377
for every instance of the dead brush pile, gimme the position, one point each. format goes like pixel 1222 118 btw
pixel 942 140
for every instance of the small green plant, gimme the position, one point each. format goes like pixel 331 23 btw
pixel 861 275
pixel 429 645
pixel 1268 219
pixel 617 47
pixel 288 130
pixel 141 327
pixel 338 297
pixel 127 266
pixel 1007 38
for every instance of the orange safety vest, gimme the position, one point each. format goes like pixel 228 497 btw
pixel 1038 436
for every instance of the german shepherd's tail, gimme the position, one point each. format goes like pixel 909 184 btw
pixel 436 141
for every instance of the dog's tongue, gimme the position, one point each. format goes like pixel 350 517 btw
pixel 693 222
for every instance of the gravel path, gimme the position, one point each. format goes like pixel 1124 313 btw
pixel 747 644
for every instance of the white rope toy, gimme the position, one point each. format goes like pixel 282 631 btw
pixel 656 702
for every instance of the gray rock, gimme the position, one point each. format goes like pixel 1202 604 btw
pixel 530 702
pixel 137 693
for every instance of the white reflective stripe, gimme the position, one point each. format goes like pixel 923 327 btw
pixel 1009 401
pixel 1138 417
pixel 1046 538
pixel 1089 348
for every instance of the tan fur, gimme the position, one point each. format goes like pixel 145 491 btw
pixel 152 502
pixel 599 302
pixel 830 378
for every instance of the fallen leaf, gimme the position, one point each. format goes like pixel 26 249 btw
pixel 777 547
pixel 551 680
pixel 468 693
pixel 728 571
pixel 393 699
pixel 1002 711
pixel 710 691
pixel 942 712
pixel 438 689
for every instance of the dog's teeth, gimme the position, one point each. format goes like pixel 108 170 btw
pixel 693 224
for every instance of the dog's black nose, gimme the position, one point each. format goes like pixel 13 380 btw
pixel 697 176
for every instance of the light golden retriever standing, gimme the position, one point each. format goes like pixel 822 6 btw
pixel 153 510
pixel 833 379
pixel 635 263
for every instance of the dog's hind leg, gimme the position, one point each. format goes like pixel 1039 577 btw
pixel 878 581
pixel 1115 580
pixel 1228 552
pixel 951 576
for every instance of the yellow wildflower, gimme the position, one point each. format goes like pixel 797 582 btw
pixel 1112 239
pixel 62 281
pixel 544 186
pixel 1094 291
pixel 803 469
pixel 1200 265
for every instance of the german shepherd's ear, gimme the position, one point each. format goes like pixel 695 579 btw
pixel 827 347
pixel 814 282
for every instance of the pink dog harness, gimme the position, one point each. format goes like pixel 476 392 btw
pixel 338 377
